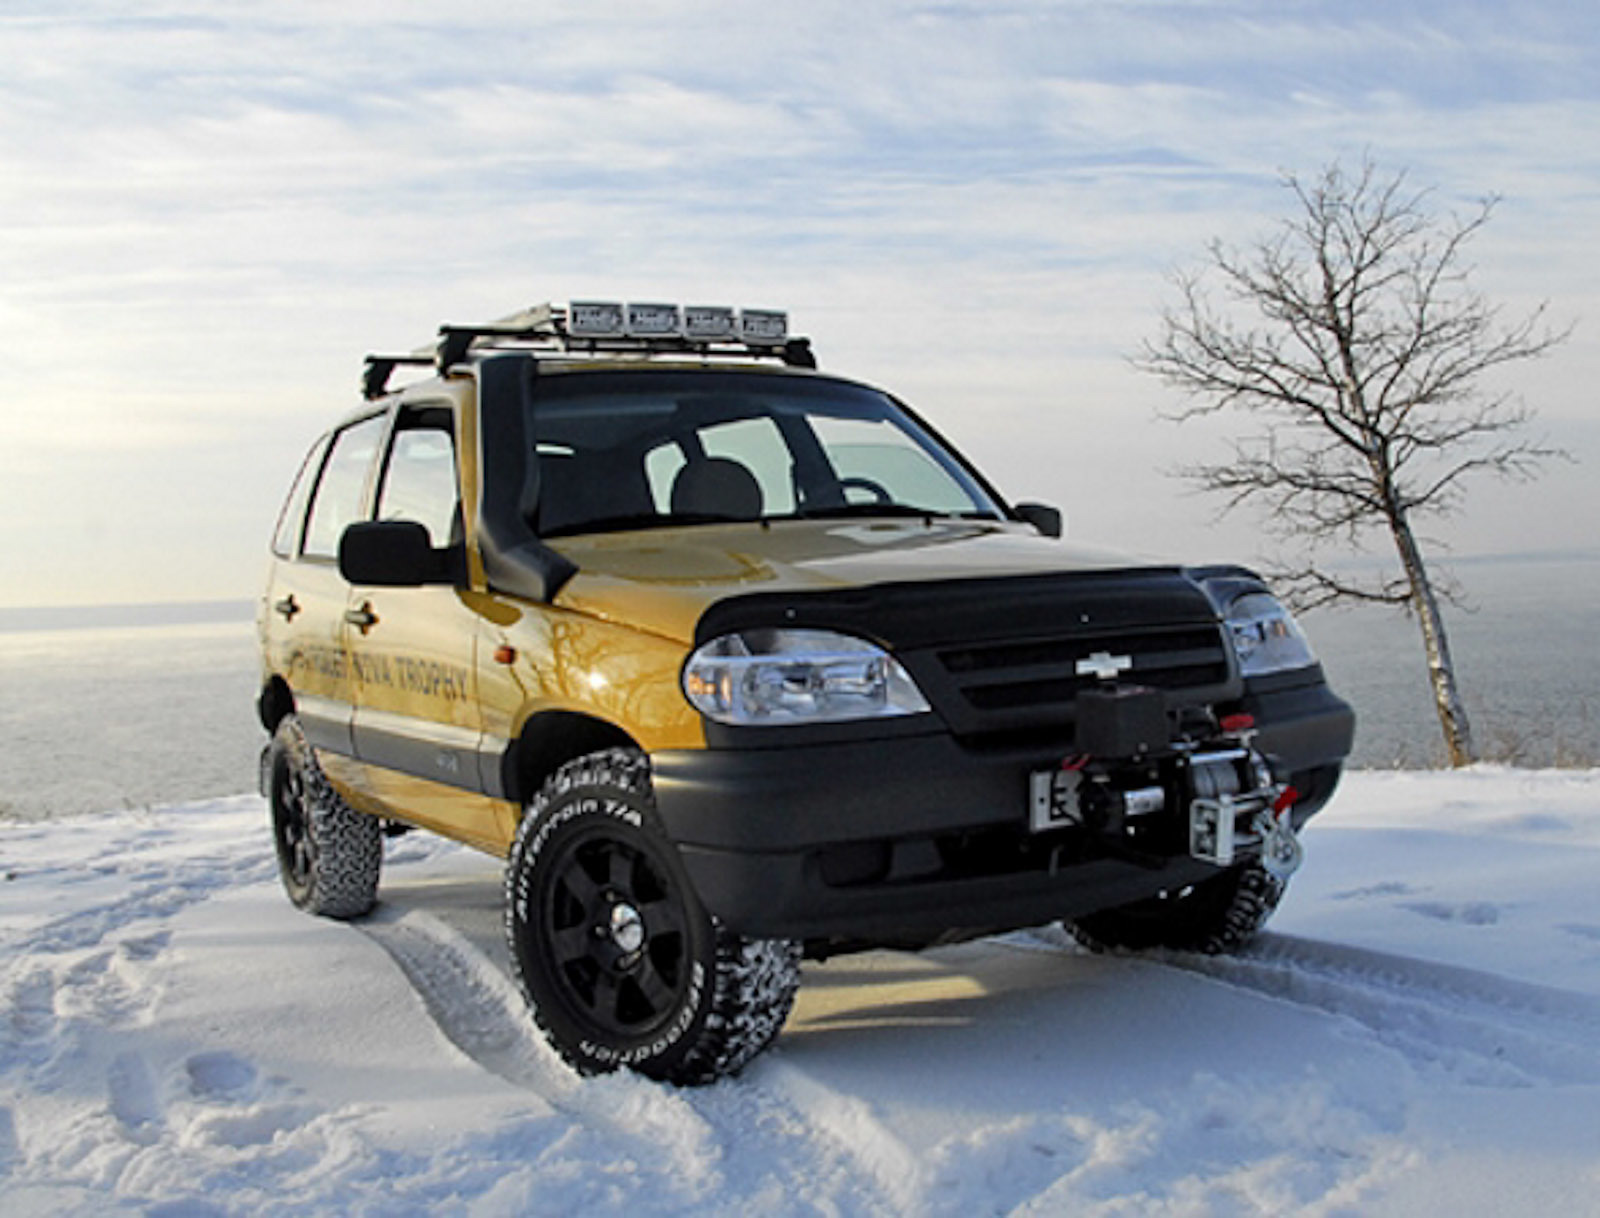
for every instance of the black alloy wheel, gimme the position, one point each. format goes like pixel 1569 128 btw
pixel 621 964
pixel 329 854
pixel 291 828
pixel 614 930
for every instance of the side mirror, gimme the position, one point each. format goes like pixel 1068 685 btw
pixel 391 554
pixel 1042 517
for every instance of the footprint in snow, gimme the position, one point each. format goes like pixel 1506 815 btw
pixel 221 1076
pixel 33 1006
pixel 144 947
pixel 1469 913
pixel 248 1126
pixel 134 1101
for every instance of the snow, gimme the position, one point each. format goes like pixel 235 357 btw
pixel 1418 1034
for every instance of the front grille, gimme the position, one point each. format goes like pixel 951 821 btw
pixel 997 657
pixel 1012 684
pixel 1035 673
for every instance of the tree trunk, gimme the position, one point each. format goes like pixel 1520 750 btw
pixel 1441 669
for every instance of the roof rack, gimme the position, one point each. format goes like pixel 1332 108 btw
pixel 378 368
pixel 597 327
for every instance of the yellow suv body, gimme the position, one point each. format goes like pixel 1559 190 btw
pixel 733 660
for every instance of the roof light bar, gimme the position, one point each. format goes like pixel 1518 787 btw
pixel 655 321
pixel 763 327
pixel 595 319
pixel 594 326
pixel 710 324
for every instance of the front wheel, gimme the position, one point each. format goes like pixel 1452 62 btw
pixel 1215 916
pixel 618 959
pixel 329 855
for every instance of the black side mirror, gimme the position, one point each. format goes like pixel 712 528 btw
pixel 1041 516
pixel 392 554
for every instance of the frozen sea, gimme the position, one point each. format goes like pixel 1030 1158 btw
pixel 1417 1035
pixel 132 707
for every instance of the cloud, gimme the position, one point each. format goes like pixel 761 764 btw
pixel 209 210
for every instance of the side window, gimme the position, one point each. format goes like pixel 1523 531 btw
pixel 419 481
pixel 338 497
pixel 286 538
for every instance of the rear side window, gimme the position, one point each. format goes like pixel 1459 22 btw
pixel 286 539
pixel 419 481
pixel 338 499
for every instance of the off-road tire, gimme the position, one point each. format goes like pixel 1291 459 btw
pixel 1215 916
pixel 329 855
pixel 620 963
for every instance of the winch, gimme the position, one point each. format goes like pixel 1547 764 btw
pixel 1140 794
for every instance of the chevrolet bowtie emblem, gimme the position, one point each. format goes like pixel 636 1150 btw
pixel 1104 665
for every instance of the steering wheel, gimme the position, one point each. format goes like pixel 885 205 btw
pixel 876 489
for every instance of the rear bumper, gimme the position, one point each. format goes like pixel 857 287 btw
pixel 917 836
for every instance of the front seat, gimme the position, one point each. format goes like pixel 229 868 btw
pixel 716 486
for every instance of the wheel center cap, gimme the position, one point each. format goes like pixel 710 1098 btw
pixel 626 928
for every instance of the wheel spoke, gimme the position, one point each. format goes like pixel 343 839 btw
pixel 607 997
pixel 579 886
pixel 658 995
pixel 572 942
pixel 663 917
pixel 619 870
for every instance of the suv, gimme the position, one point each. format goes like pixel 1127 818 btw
pixel 736 663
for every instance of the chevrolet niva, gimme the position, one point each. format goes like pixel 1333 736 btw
pixel 735 663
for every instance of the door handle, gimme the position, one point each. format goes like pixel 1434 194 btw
pixel 364 617
pixel 288 606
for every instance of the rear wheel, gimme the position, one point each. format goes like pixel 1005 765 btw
pixel 329 855
pixel 1217 915
pixel 618 959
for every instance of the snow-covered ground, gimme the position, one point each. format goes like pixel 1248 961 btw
pixel 1420 1034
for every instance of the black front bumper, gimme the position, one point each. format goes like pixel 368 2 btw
pixel 912 837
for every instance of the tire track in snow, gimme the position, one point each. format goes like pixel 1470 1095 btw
pixel 471 1001
pixel 1482 1028
pixel 738 1144
pixel 850 1126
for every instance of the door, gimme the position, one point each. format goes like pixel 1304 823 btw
pixel 413 651
pixel 306 596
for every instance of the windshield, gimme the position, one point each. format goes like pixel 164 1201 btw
pixel 623 450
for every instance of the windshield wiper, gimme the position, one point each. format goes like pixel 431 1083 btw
pixel 642 520
pixel 865 509
pixel 841 510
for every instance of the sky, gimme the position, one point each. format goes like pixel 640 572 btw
pixel 211 210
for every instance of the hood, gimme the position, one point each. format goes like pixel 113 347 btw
pixel 663 580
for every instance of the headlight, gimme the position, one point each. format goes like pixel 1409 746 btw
pixel 1265 636
pixel 797 676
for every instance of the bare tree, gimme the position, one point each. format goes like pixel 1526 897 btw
pixel 1353 339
